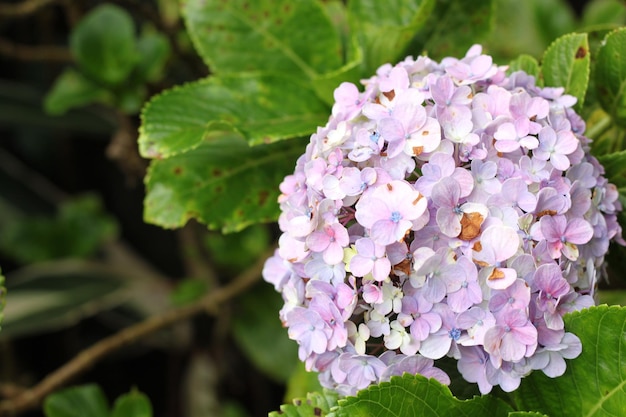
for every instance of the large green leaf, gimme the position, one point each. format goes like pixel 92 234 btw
pixel 260 334
pixel 281 35
pixel 594 384
pixel 610 75
pixel 415 395
pixel 103 44
pixel 223 183
pixel 455 26
pixel 384 29
pixel 83 401
pixel 566 63
pixel 264 108
pixel 50 296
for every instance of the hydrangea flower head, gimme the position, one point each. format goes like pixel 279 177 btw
pixel 448 209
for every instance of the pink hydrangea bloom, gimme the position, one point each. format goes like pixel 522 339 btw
pixel 449 209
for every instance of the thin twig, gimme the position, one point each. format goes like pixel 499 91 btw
pixel 34 53
pixel 24 8
pixel 31 398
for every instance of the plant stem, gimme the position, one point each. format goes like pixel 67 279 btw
pixel 24 8
pixel 32 397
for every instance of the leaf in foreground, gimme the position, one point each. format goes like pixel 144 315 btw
pixel 224 183
pixel 242 35
pixel 610 75
pixel 594 384
pixel 415 395
pixel 263 108
pixel 566 63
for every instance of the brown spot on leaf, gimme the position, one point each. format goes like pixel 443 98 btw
pixel 216 172
pixel 178 170
pixel 470 226
pixel 218 189
pixel 581 52
pixel 263 197
pixel 496 274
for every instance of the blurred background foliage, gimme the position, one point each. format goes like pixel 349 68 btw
pixel 80 263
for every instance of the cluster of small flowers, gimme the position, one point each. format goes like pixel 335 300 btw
pixel 447 210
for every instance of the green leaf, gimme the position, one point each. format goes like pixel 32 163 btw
pixel 525 63
pixel 264 108
pixel 103 44
pixel 70 90
pixel 566 63
pixel 415 395
pixel 83 401
pixel 50 296
pixel 614 164
pixel 325 85
pixel 260 334
pixel 610 75
pixel 526 414
pixel 455 26
pixel 315 404
pixel 283 36
pixel 594 383
pixel 223 183
pixel 384 29
pixel 133 404
pixel 154 50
